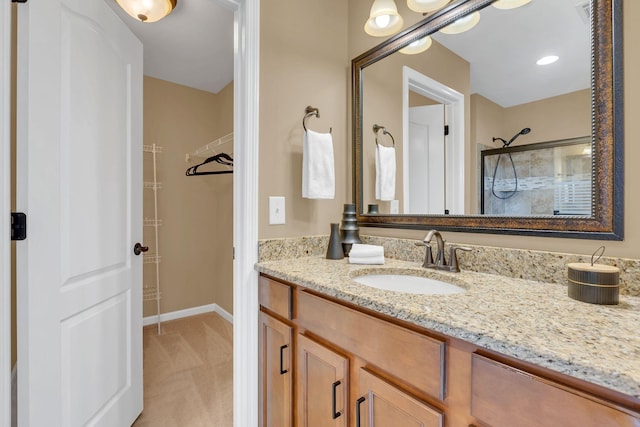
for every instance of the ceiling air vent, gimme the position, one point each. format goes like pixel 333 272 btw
pixel 584 10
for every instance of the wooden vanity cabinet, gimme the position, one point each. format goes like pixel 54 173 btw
pixel 355 368
pixel 415 361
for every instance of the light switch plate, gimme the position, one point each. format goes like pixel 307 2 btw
pixel 276 210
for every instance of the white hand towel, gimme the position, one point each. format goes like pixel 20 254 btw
pixel 385 173
pixel 318 170
pixel 366 260
pixel 360 250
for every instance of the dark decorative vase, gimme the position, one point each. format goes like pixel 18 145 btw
pixel 334 250
pixel 373 209
pixel 350 230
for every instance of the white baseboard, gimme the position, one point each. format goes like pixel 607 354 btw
pixel 223 313
pixel 173 315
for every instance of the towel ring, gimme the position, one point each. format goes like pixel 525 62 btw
pixel 377 128
pixel 311 111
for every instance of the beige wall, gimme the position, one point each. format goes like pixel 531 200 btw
pixel 552 119
pixel 303 61
pixel 196 238
pixel 273 136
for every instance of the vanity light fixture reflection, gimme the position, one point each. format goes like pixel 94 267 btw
pixel 384 19
pixel 426 6
pixel 417 46
pixel 509 4
pixel 463 24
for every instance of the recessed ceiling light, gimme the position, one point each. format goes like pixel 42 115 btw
pixel 546 60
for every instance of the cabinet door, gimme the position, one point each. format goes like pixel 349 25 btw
pixel 275 378
pixel 381 404
pixel 322 385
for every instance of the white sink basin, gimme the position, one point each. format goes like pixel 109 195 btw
pixel 409 284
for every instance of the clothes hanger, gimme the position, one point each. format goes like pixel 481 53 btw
pixel 222 158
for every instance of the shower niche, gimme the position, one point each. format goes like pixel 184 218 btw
pixel 541 179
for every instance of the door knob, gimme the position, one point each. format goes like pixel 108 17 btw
pixel 138 248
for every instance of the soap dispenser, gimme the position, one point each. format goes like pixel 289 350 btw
pixel 350 230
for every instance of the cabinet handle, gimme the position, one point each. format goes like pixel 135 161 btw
pixel 334 413
pixel 358 403
pixel 282 370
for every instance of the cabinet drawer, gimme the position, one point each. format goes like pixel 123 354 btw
pixel 408 355
pixel 502 396
pixel 275 296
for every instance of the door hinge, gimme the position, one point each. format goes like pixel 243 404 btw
pixel 18 226
pixel 446 130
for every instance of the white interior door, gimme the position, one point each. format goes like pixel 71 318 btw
pixel 426 161
pixel 80 183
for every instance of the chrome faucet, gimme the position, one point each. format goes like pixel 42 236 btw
pixel 440 262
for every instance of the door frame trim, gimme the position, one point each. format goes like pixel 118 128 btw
pixel 245 211
pixel 5 208
pixel 454 116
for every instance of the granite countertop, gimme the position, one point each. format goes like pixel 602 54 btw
pixel 533 321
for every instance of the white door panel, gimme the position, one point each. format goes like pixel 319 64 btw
pixel 426 160
pixel 80 183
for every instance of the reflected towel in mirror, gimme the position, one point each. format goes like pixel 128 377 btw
pixel 385 173
pixel 318 170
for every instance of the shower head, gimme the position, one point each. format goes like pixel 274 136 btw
pixel 522 132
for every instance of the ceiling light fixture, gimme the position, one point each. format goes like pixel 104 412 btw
pixel 463 24
pixel 147 10
pixel 546 60
pixel 509 4
pixel 417 46
pixel 384 19
pixel 426 6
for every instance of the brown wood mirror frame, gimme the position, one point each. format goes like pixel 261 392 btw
pixel 607 219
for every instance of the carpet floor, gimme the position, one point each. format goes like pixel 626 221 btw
pixel 188 373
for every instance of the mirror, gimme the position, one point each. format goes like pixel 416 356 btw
pixel 443 110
